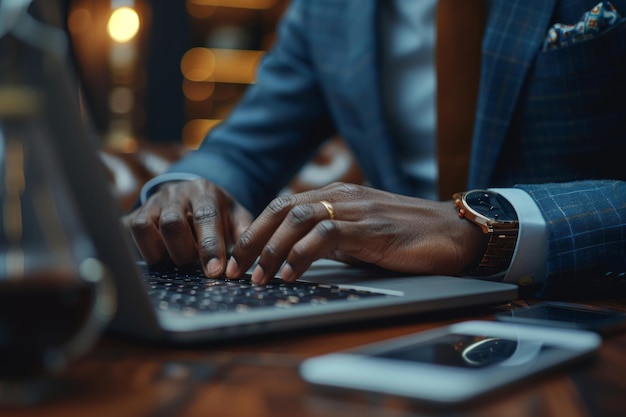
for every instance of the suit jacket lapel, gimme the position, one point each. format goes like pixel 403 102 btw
pixel 514 33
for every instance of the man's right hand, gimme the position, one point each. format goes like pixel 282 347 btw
pixel 188 221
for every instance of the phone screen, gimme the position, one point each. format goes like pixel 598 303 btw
pixel 570 315
pixel 468 351
pixel 567 315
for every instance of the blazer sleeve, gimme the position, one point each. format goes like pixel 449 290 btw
pixel 276 127
pixel 586 223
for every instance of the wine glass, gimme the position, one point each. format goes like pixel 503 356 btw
pixel 56 297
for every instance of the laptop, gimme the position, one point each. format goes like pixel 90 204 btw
pixel 328 294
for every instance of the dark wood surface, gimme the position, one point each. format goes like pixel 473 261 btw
pixel 259 377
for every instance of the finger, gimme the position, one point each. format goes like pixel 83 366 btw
pixel 253 239
pixel 241 219
pixel 143 227
pixel 210 220
pixel 177 234
pixel 298 222
pixel 328 239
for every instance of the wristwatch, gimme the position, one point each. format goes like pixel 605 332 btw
pixel 497 219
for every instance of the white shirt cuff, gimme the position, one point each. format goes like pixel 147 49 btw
pixel 528 265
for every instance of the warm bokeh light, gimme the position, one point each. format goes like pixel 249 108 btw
pixel 198 64
pixel 120 136
pixel 236 66
pixel 123 24
pixel 198 91
pixel 121 100
pixel 220 65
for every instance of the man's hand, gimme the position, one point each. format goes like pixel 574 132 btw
pixel 187 222
pixel 395 232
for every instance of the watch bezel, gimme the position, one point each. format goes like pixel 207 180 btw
pixel 489 225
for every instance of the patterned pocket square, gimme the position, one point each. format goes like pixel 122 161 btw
pixel 602 17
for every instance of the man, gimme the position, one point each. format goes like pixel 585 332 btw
pixel 549 132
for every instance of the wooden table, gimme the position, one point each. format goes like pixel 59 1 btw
pixel 259 378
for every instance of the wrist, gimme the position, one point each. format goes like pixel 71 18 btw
pixel 478 241
pixel 497 221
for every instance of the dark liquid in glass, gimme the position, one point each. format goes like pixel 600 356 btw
pixel 39 314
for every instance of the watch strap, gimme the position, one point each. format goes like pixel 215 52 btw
pixel 497 256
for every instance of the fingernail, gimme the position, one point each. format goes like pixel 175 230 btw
pixel 257 275
pixel 214 267
pixel 232 268
pixel 287 273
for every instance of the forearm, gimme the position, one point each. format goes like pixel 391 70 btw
pixel 274 129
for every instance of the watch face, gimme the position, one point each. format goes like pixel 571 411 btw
pixel 491 205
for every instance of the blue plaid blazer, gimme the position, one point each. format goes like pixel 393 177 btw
pixel 552 123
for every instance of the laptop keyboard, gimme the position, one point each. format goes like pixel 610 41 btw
pixel 189 291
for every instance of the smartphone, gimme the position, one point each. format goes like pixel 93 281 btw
pixel 453 364
pixel 567 315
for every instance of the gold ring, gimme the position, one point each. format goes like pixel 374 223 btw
pixel 329 208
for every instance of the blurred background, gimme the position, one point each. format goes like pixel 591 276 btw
pixel 159 74
pixel 165 70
